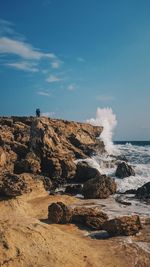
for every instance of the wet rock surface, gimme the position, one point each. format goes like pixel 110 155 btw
pixel 124 170
pixel 92 217
pixel 101 186
pixel 126 225
pixel 84 172
pixel 74 189
pixel 143 192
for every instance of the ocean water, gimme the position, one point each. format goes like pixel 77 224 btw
pixel 138 155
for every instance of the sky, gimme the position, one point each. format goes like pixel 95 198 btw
pixel 69 57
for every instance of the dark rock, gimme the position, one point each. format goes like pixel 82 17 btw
pixel 130 191
pixel 84 172
pixel 59 213
pixel 99 187
pixel 122 201
pixel 124 170
pixel 30 164
pixel 91 217
pixel 143 192
pixel 13 185
pixel 126 225
pixel 73 189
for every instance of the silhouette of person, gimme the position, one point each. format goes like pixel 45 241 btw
pixel 38 112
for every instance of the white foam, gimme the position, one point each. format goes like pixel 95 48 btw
pixel 106 118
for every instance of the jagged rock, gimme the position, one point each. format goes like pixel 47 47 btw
pixel 101 186
pixel 126 225
pixel 30 164
pixel 124 170
pixel 13 185
pixel 85 172
pixel 45 146
pixel 143 192
pixel 73 189
pixel 91 217
pixel 59 213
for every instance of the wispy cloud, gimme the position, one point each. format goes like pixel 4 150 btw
pixel 80 59
pixel 43 93
pixel 25 66
pixel 71 87
pixel 105 98
pixel 22 49
pixel 53 78
pixel 6 27
pixel 56 64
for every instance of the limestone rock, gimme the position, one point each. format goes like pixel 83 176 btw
pixel 91 217
pixel 126 225
pixel 85 172
pixel 59 213
pixel 101 186
pixel 124 170
pixel 13 185
pixel 30 164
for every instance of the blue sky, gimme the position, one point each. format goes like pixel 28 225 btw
pixel 69 57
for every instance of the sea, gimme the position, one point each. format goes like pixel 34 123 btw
pixel 138 155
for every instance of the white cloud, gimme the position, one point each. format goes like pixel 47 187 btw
pixel 43 93
pixel 22 49
pixel 105 98
pixel 53 78
pixel 55 65
pixel 25 66
pixel 71 87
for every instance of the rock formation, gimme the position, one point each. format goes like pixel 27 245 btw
pixel 46 147
pixel 84 172
pixel 124 170
pixel 143 192
pixel 101 186
pixel 126 225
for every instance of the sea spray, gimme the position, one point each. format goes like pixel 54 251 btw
pixel 106 118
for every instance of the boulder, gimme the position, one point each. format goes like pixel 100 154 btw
pixel 12 185
pixel 73 189
pixel 84 172
pixel 143 192
pixel 101 186
pixel 59 213
pixel 124 170
pixel 92 217
pixel 30 164
pixel 126 225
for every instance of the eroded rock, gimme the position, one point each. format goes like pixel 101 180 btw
pixel 124 170
pixel 143 192
pixel 59 213
pixel 91 217
pixel 126 225
pixel 101 186
pixel 85 172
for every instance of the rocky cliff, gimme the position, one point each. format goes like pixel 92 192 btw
pixel 45 146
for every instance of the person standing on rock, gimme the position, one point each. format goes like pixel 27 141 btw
pixel 38 112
